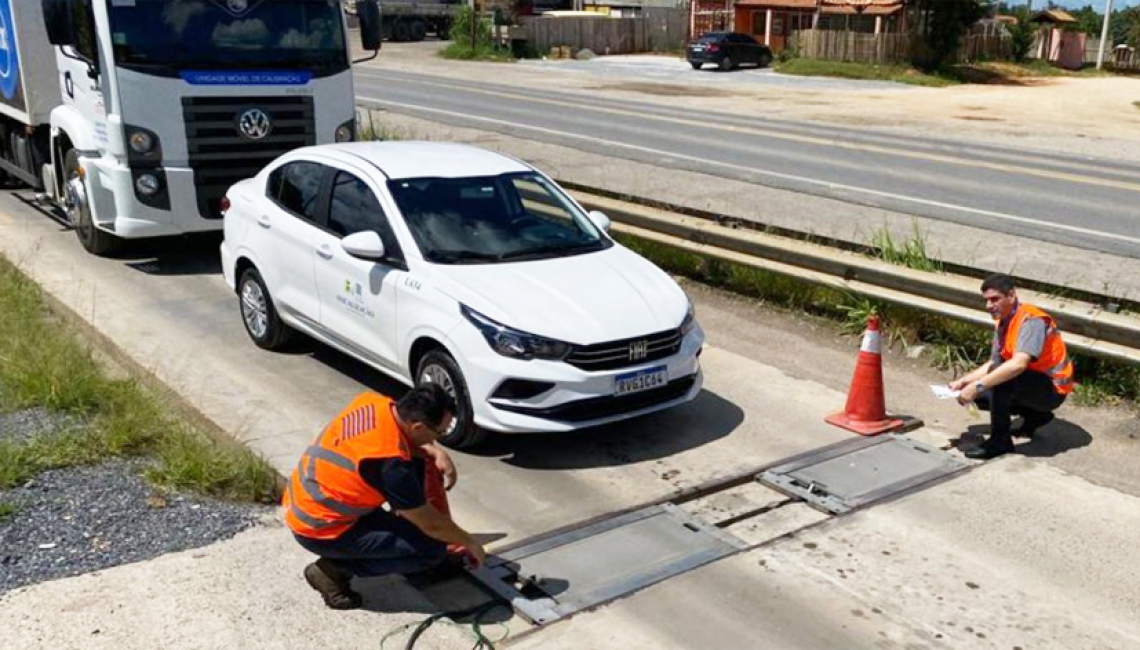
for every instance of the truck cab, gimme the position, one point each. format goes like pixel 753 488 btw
pixel 166 103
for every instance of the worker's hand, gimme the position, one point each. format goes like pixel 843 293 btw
pixel 958 384
pixel 475 554
pixel 969 392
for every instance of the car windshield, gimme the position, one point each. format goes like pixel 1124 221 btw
pixel 491 219
pixel 231 34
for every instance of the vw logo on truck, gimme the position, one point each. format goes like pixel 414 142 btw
pixel 254 124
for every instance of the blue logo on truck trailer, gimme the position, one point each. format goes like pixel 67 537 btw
pixel 9 59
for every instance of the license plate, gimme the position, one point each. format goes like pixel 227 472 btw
pixel 698 48
pixel 635 382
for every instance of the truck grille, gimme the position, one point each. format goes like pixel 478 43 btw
pixel 220 156
pixel 628 352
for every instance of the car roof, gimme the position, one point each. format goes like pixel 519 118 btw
pixel 409 159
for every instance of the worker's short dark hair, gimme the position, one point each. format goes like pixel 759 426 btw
pixel 427 404
pixel 999 281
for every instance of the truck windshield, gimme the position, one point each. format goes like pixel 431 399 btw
pixel 229 34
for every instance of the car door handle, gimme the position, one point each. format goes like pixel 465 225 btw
pixel 325 251
pixel 263 221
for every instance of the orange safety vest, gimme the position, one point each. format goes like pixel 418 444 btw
pixel 1054 360
pixel 326 494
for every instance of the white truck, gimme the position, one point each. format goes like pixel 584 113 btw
pixel 135 116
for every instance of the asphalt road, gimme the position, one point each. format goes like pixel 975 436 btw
pixel 1078 201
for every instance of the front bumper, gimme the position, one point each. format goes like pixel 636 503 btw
pixel 117 209
pixel 578 399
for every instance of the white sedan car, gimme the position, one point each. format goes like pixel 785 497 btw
pixel 454 265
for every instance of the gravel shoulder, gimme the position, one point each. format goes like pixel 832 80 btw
pixel 76 520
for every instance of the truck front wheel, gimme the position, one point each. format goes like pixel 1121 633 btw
pixel 95 241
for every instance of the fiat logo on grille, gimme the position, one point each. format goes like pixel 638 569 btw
pixel 254 124
pixel 638 350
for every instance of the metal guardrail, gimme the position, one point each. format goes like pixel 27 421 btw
pixel 1088 328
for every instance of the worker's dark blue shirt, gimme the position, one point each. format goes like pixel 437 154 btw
pixel 400 481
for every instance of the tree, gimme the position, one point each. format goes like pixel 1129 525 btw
pixel 941 24
pixel 1089 20
pixel 1022 35
pixel 1126 27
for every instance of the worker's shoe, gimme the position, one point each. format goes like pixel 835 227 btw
pixel 332 582
pixel 991 448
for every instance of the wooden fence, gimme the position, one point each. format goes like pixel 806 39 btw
pixel 839 45
pixel 656 30
pixel 887 48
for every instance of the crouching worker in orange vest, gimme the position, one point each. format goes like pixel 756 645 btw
pixel 375 452
pixel 1029 372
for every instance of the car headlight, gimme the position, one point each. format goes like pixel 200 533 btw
pixel 690 321
pixel 512 343
pixel 343 133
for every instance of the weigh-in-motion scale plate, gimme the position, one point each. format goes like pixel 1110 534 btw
pixel 554 576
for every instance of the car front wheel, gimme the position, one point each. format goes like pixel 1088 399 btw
pixel 765 60
pixel 258 314
pixel 438 367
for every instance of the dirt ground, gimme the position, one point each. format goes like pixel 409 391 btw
pixel 1093 116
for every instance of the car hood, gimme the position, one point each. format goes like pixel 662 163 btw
pixel 592 298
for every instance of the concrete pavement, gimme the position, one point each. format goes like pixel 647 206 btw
pixel 770 381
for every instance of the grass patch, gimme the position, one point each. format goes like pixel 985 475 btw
pixel 1002 73
pixel 866 71
pixel 6 511
pixel 910 252
pixel 44 364
pixel 464 52
pixel 954 346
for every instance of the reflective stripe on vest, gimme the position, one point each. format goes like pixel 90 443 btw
pixel 1053 360
pixel 326 494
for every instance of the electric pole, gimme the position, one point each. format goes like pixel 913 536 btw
pixel 1104 34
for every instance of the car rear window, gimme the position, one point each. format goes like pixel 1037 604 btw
pixel 711 38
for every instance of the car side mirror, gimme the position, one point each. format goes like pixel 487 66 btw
pixel 600 219
pixel 368 11
pixel 366 245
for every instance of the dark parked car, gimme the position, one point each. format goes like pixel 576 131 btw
pixel 727 50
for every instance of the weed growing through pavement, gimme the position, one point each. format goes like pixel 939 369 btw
pixel 910 252
pixel 6 511
pixel 44 364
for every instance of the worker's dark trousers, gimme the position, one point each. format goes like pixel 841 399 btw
pixel 378 544
pixel 1029 395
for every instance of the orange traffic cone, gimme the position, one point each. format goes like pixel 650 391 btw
pixel 866 410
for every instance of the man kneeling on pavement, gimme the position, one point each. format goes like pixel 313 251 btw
pixel 1029 372
pixel 373 453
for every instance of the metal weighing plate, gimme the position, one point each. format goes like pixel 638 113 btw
pixel 860 471
pixel 558 575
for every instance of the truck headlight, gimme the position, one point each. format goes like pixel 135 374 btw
pixel 147 184
pixel 142 142
pixel 344 133
pixel 512 343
